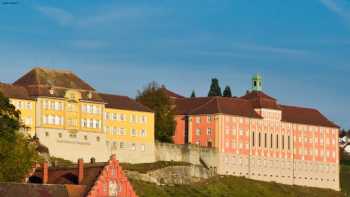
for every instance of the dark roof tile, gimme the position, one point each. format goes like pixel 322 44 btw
pixel 123 102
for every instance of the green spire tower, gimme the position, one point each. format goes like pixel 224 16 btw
pixel 257 83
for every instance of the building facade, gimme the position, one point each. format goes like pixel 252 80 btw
pixel 260 139
pixel 72 119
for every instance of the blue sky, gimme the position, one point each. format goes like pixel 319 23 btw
pixel 302 48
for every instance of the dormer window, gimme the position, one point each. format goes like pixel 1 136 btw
pixel 51 91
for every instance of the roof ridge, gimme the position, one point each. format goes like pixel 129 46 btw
pixel 202 104
pixel 109 94
pixel 52 69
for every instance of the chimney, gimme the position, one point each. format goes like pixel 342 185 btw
pixel 92 160
pixel 81 171
pixel 45 172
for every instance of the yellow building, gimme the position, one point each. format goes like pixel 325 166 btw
pixel 74 120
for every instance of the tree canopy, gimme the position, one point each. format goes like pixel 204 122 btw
pixel 227 92
pixel 193 94
pixel 154 97
pixel 215 89
pixel 17 153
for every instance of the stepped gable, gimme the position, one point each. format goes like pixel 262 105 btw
pixel 12 91
pixel 86 179
pixel 305 116
pixel 215 105
pixel 39 81
pixel 261 100
pixel 123 102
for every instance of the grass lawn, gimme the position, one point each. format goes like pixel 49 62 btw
pixel 230 186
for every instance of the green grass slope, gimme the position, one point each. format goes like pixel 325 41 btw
pixel 230 186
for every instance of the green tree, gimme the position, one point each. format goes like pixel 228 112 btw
pixel 193 94
pixel 215 89
pixel 17 153
pixel 227 92
pixel 154 97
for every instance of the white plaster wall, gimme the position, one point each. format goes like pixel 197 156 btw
pixel 74 148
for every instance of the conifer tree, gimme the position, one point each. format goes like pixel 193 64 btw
pixel 227 92
pixel 215 89
pixel 193 94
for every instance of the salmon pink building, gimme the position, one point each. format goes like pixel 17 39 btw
pixel 259 138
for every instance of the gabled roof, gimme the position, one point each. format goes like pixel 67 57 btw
pixel 261 100
pixel 123 102
pixel 39 77
pixel 303 115
pixel 245 105
pixel 214 105
pixel 171 94
pixel 12 91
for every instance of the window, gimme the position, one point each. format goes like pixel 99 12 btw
pixel 283 142
pixel 143 119
pixel 107 115
pixel 114 116
pixel 60 135
pixel 209 118
pixel 133 146
pixel 121 131
pixel 198 132
pixel 265 140
pixel 277 141
pixel 29 105
pixel 122 145
pixel 52 105
pixel 143 132
pixel 259 139
pixel 73 135
pixel 142 147
pixel 122 117
pixel 45 119
pixel 98 138
pixel 83 123
pixel 46 134
pixel 198 119
pixel 271 141
pixel 253 138
pixel 46 104
pixel 288 142
pixel 209 131
pixel 133 132
pixel 133 118
pixel 85 137
pixel 91 123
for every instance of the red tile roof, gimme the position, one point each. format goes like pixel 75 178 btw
pixel 305 116
pixel 171 94
pixel 123 102
pixel 213 105
pixel 245 105
pixel 261 100
pixel 12 91
pixel 52 78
